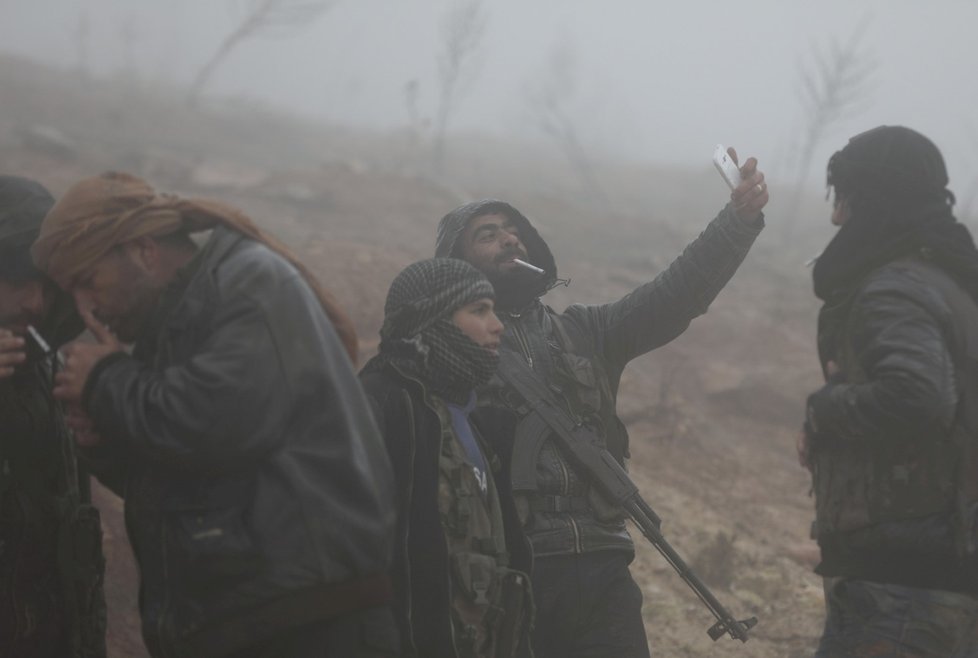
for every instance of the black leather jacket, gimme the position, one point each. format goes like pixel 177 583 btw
pixel 585 360
pixel 881 430
pixel 258 492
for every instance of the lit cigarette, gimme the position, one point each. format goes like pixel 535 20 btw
pixel 43 345
pixel 532 268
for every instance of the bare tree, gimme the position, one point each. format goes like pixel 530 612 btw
pixel 548 99
pixel 82 34
pixel 967 203
pixel 463 30
pixel 261 18
pixel 833 86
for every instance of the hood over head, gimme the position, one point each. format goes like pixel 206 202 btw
pixel 892 161
pixel 23 205
pixel 894 181
pixel 452 225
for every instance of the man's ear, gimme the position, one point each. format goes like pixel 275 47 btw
pixel 145 253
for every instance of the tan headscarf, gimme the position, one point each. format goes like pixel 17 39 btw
pixel 97 214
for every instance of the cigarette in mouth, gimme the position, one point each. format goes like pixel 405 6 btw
pixel 532 268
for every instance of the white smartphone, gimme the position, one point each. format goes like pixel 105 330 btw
pixel 726 166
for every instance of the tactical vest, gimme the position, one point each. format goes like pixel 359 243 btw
pixel 489 600
pixel 579 379
pixel 860 484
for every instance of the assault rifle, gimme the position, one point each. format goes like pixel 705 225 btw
pixel 587 452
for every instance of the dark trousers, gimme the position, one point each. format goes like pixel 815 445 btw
pixel 368 633
pixel 863 618
pixel 588 606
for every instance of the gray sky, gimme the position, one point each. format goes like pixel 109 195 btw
pixel 656 81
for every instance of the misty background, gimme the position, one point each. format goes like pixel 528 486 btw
pixel 648 81
pixel 598 120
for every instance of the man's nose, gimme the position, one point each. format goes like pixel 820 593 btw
pixel 495 326
pixel 510 239
pixel 83 301
pixel 33 300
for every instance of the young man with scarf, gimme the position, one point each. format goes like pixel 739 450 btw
pixel 892 437
pixel 51 604
pixel 586 600
pixel 457 591
pixel 257 490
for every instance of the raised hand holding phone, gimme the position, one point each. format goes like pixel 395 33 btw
pixel 748 189
pixel 726 164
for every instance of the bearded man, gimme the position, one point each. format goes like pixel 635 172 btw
pixel 258 494
pixel 587 603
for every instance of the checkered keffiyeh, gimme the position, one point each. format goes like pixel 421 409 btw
pixel 418 334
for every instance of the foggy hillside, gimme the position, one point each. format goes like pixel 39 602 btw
pixel 341 132
pixel 711 415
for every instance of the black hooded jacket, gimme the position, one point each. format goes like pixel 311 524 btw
pixel 583 352
pixel 900 285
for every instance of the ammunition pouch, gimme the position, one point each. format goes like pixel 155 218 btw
pixel 497 598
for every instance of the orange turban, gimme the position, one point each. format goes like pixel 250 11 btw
pixel 97 214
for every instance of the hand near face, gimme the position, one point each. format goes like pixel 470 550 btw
pixel 750 197
pixel 13 352
pixel 80 358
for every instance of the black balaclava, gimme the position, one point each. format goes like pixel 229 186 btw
pixel 23 205
pixel 419 336
pixel 518 290
pixel 895 183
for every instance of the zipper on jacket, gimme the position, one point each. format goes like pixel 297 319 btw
pixel 410 496
pixel 521 338
pixel 565 489
pixel 164 608
pixel 448 552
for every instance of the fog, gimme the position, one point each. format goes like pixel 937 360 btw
pixel 651 81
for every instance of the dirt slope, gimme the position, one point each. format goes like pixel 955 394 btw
pixel 712 415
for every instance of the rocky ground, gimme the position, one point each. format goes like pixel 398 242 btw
pixel 712 416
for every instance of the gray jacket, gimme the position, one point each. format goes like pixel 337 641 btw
pixel 258 491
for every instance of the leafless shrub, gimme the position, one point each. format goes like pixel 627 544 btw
pixel 81 35
pixel 716 562
pixel 834 84
pixel 261 18
pixel 548 99
pixel 463 29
